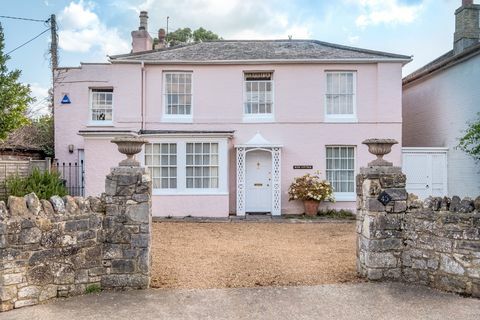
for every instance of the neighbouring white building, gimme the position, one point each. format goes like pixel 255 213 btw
pixel 439 100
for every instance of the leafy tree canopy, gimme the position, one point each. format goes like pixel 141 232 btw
pixel 470 142
pixel 186 35
pixel 14 96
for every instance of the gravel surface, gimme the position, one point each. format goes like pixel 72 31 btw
pixel 223 255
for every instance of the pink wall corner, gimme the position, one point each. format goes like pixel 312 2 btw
pixel 100 156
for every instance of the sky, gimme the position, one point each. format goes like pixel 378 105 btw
pixel 89 30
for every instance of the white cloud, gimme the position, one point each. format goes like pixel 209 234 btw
pixel 40 106
pixel 81 31
pixel 231 19
pixel 375 12
pixel 353 39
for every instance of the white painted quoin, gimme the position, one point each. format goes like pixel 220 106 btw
pixel 426 171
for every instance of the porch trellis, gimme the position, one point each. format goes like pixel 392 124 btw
pixel 276 176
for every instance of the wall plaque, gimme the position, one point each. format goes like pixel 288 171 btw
pixel 304 166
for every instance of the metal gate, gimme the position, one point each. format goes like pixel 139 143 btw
pixel 426 170
pixel 73 176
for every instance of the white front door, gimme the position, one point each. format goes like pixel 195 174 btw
pixel 426 172
pixel 258 176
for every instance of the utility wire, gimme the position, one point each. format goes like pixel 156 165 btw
pixel 29 41
pixel 26 19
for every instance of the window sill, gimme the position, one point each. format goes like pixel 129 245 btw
pixel 198 192
pixel 331 119
pixel 100 124
pixel 178 119
pixel 258 118
pixel 345 196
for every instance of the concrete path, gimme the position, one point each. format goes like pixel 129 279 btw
pixel 347 301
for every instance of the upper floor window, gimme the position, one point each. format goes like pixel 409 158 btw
pixel 340 103
pixel 258 100
pixel 101 105
pixel 178 94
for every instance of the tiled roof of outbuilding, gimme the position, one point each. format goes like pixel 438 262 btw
pixel 258 50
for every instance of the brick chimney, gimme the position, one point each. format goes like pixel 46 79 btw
pixel 467 26
pixel 141 39
pixel 161 39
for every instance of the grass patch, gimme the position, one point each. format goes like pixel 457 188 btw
pixel 336 214
pixel 93 288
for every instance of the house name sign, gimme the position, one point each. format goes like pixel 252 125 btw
pixel 303 166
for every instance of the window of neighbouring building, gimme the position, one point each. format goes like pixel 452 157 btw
pixel 340 98
pixel 258 95
pixel 202 165
pixel 101 105
pixel 341 171
pixel 188 166
pixel 177 95
pixel 161 161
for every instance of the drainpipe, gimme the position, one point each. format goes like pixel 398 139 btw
pixel 143 96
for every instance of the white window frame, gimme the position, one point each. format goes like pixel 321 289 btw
pixel 181 166
pixel 341 117
pixel 91 122
pixel 161 166
pixel 344 196
pixel 176 117
pixel 258 117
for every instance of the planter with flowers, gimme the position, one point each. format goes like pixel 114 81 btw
pixel 311 190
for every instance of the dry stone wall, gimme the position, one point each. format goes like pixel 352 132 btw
pixel 435 242
pixel 68 246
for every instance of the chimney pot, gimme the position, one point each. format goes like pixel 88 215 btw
pixel 466 2
pixel 143 20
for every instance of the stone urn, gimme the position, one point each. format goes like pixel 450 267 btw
pixel 311 207
pixel 380 147
pixel 129 146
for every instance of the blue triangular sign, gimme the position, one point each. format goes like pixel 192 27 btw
pixel 65 100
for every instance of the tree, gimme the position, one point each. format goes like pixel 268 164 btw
pixel 186 35
pixel 470 142
pixel 14 96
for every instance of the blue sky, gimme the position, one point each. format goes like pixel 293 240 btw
pixel 89 30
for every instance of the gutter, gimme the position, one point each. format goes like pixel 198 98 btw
pixel 265 61
pixel 450 62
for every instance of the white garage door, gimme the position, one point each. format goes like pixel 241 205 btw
pixel 426 170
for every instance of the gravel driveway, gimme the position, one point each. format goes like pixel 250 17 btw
pixel 222 255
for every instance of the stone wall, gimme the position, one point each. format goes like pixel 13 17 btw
pixel 48 249
pixel 435 242
pixel 73 245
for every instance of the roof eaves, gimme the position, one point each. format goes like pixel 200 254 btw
pixel 440 64
pixel 266 61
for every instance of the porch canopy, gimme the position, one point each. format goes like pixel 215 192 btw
pixel 258 142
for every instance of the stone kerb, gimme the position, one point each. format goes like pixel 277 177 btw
pixel 48 249
pixel 127 246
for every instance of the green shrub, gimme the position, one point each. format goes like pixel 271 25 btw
pixel 44 184
pixel 93 288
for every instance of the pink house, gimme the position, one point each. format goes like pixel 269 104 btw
pixel 231 123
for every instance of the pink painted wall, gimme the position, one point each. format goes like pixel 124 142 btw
pixel 218 105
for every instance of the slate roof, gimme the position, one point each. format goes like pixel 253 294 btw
pixel 258 50
pixel 444 61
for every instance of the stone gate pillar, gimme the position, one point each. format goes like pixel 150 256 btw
pixel 381 204
pixel 128 222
